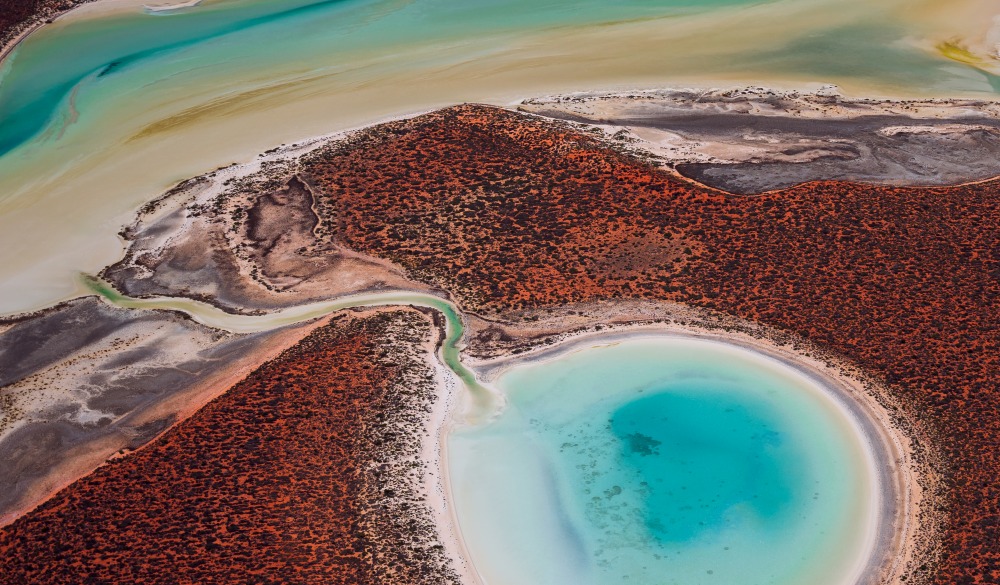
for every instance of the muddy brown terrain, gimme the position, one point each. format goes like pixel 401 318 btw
pixel 305 472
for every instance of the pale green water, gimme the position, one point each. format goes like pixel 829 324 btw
pixel 107 107
pixel 483 402
pixel 664 461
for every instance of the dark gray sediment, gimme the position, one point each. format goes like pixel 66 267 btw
pixel 750 142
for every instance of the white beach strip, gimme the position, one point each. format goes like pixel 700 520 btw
pixel 437 486
pixel 158 8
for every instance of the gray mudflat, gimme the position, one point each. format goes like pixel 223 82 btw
pixel 85 372
pixel 762 142
pixel 860 153
pixel 39 342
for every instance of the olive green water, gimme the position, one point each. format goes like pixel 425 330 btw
pixel 482 401
pixel 110 105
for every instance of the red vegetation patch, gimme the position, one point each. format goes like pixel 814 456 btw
pixel 302 473
pixel 17 14
pixel 509 211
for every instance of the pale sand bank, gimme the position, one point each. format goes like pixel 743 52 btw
pixel 123 150
pixel 437 483
pixel 164 8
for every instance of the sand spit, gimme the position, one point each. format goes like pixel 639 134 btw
pixel 170 7
pixel 88 381
pixel 312 469
pixel 754 139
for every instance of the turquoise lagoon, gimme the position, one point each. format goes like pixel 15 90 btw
pixel 664 461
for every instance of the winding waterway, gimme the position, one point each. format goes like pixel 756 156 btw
pixel 653 459
pixel 112 104
pixel 483 401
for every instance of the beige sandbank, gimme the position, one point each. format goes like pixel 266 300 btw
pixel 61 207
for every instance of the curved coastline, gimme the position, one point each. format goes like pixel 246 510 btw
pixel 897 493
pixel 892 540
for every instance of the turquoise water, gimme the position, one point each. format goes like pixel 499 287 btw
pixel 120 57
pixel 703 452
pixel 663 461
pixel 92 56
pixel 109 106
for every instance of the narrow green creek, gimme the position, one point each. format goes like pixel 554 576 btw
pixel 484 401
